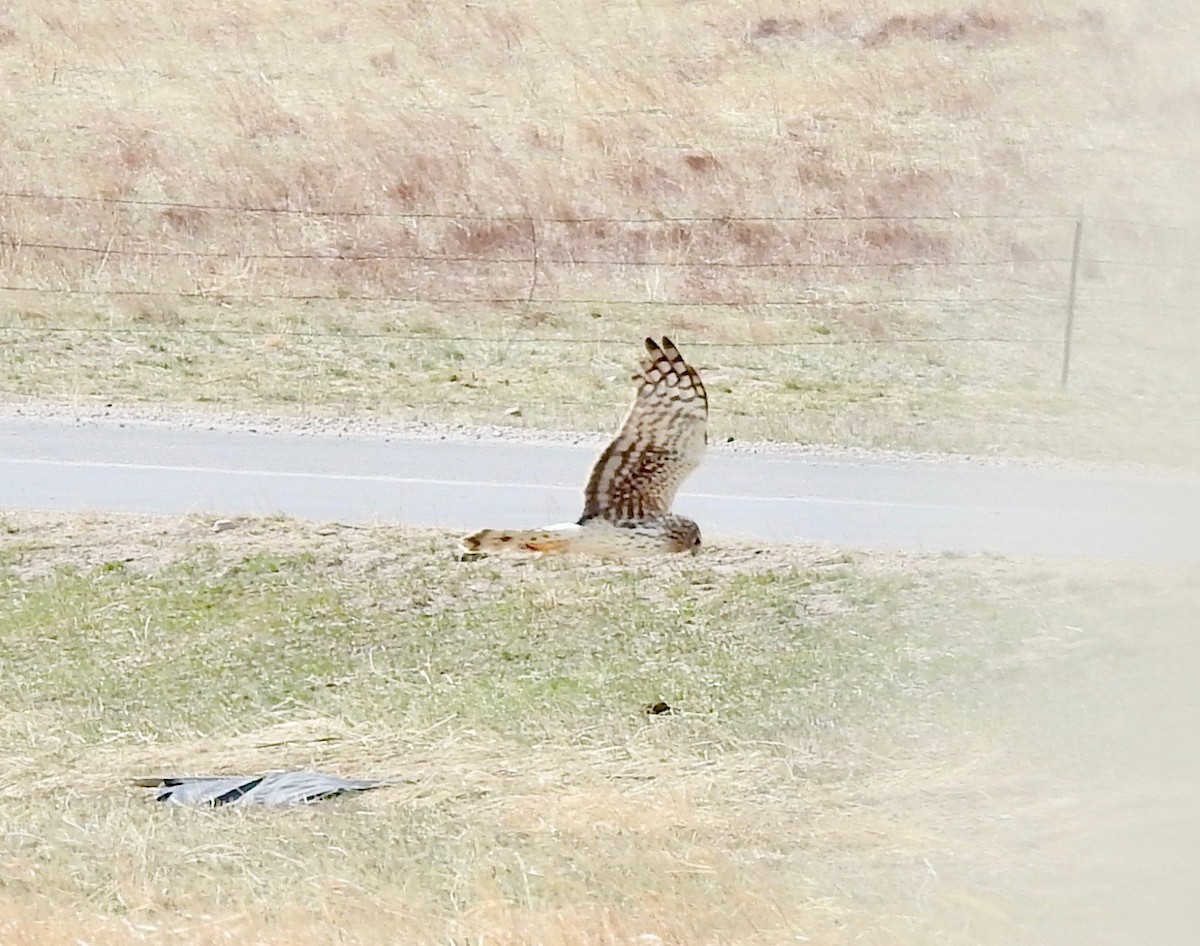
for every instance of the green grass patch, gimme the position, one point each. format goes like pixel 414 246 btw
pixel 862 747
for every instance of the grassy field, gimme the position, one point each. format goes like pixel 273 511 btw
pixel 456 213
pixel 856 223
pixel 864 748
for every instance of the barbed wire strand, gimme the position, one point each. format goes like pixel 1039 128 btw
pixel 19 245
pixel 507 339
pixel 217 296
pixel 525 217
pixel 589 218
pixel 521 260
pixel 1139 264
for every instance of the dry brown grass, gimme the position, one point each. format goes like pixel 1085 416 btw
pixel 648 110
pixel 883 749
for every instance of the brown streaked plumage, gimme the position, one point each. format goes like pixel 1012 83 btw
pixel 627 500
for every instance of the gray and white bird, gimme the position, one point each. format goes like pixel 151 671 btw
pixel 275 788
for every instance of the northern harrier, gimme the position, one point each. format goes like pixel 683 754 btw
pixel 627 500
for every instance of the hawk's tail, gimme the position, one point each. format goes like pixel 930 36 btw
pixel 551 540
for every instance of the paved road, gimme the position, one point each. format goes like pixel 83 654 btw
pixel 907 504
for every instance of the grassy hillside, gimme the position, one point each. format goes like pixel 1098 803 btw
pixel 420 210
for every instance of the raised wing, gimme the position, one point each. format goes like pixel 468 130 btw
pixel 660 442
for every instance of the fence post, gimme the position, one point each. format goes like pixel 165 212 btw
pixel 533 272
pixel 1066 361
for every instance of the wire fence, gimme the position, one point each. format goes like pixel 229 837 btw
pixel 526 339
pixel 527 218
pixel 533 259
pixel 1024 271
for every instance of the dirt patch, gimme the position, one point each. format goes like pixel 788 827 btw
pixel 42 543
pixel 46 542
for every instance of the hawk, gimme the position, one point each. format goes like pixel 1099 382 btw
pixel 627 500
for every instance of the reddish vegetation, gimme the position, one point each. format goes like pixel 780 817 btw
pixel 135 149
pixel 348 141
pixel 184 220
pixel 701 163
pixel 834 24
pixel 901 192
pixel 481 238
pixel 971 26
pixel 819 171
pixel 755 239
pixel 408 191
pixel 642 177
pixel 906 241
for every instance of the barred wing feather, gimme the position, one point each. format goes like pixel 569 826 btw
pixel 661 441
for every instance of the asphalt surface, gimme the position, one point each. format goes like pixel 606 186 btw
pixel 913 504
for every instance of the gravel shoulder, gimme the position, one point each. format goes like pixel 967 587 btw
pixel 371 428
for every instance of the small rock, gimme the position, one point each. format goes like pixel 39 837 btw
pixel 470 556
pixel 658 709
pixel 513 412
pixel 224 525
